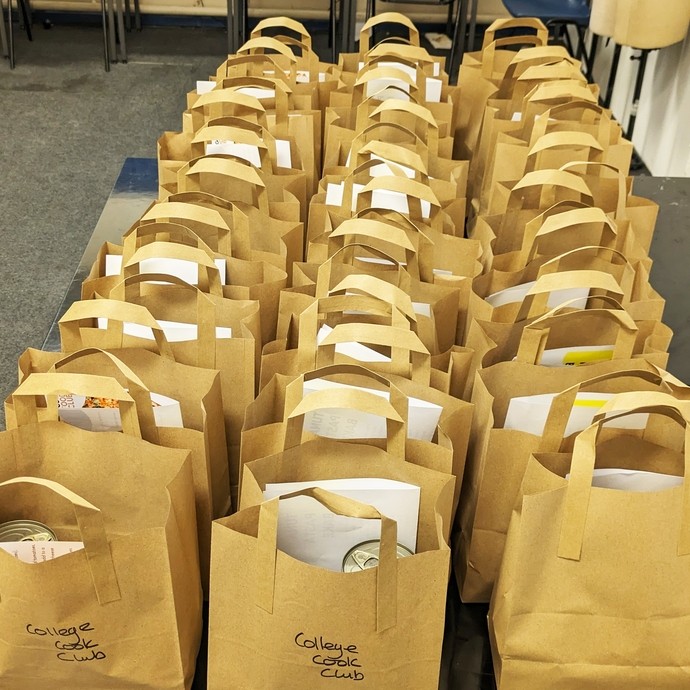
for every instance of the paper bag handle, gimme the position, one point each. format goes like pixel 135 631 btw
pixel 231 168
pixel 346 255
pixel 348 399
pixel 536 299
pixel 165 210
pixel 386 572
pixel 380 289
pixel 515 23
pixel 136 388
pixel 582 468
pixel 115 311
pixel 562 403
pixel 386 18
pixel 209 275
pixel 580 168
pixel 53 384
pixel 535 335
pixel 96 547
pixel 140 235
pixel 262 43
pixel 283 23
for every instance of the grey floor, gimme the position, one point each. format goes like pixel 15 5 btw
pixel 66 127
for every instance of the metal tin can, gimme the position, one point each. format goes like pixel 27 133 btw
pixel 26 530
pixel 366 555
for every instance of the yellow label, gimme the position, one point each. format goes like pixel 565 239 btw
pixel 580 357
pixel 589 403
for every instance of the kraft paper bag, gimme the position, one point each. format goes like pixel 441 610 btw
pixel 590 560
pixel 276 622
pixel 428 417
pixel 498 295
pixel 232 357
pixel 501 448
pixel 125 610
pixel 198 395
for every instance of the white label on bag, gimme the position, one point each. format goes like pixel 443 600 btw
pixel 246 152
pixel 310 532
pixel 380 198
pixel 180 268
pixel 357 351
pixel 40 551
pixel 203 87
pixel 174 331
pixel 250 153
pixel 257 92
pixel 633 480
pixel 517 293
pixel 422 418
pixel 529 413
pixel 103 414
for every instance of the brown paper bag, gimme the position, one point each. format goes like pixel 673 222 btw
pixel 196 390
pixel 127 607
pixel 232 357
pixel 610 555
pixel 279 603
pixel 499 455
pixel 272 408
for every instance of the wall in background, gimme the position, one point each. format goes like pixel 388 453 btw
pixel 662 131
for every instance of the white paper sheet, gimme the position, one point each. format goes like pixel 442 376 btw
pixel 180 268
pixel 310 532
pixel 174 331
pixel 380 198
pixel 250 153
pixel 72 410
pixel 423 416
pixel 633 480
pixel 433 86
pixel 517 293
pixel 529 413
pixel 357 351
pixel 40 551
pixel 203 87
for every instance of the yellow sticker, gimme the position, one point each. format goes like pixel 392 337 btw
pixel 580 357
pixel 589 403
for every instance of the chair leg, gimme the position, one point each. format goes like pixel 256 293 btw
pixel 121 30
pixel 3 32
pixel 457 48
pixel 612 76
pixel 591 57
pixel 137 16
pixel 332 29
pixel 106 43
pixel 10 30
pixel 26 18
pixel 473 26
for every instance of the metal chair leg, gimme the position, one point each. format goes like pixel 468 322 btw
pixel 137 15
pixel 106 44
pixel 121 30
pixel 332 28
pixel 10 30
pixel 26 17
pixel 612 77
pixel 112 30
pixel 473 26
pixel 457 49
pixel 3 32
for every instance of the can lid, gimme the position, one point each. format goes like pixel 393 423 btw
pixel 26 530
pixel 366 555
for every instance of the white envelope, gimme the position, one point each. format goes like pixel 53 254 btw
pixel 71 409
pixel 518 293
pixel 203 87
pixel 423 416
pixel 529 413
pixel 633 480
pixel 380 198
pixel 251 153
pixel 174 331
pixel 357 351
pixel 310 532
pixel 40 551
pixel 180 268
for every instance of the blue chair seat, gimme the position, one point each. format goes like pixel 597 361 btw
pixel 558 11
